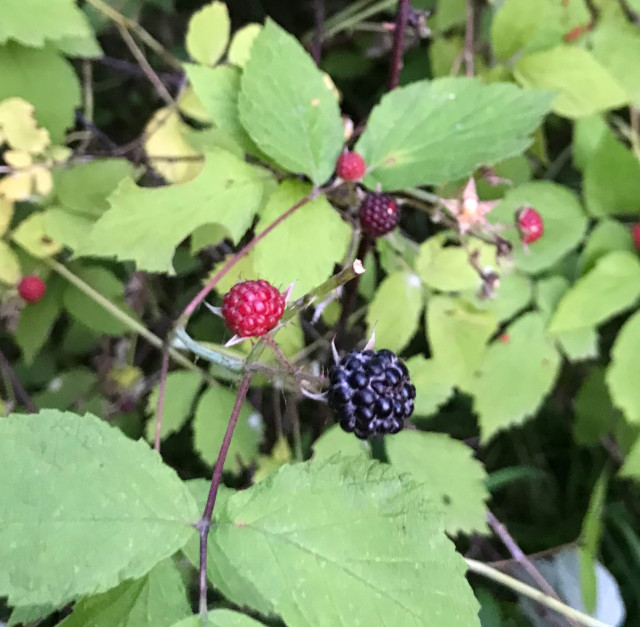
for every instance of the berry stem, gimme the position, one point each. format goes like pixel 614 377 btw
pixel 204 524
pixel 469 33
pixel 351 290
pixel 318 30
pixel 397 52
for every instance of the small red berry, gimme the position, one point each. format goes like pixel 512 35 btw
pixel 252 308
pixel 32 288
pixel 635 233
pixel 530 225
pixel 350 166
pixel 379 214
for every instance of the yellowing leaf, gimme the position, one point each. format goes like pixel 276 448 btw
pixel 165 138
pixel 192 106
pixel 240 48
pixel 31 235
pixel 42 180
pixel 208 33
pixel 17 159
pixel 19 126
pixel 9 265
pixel 16 186
pixel 6 214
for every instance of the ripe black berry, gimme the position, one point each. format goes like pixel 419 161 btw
pixel 379 214
pixel 371 393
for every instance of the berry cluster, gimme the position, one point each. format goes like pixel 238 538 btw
pixel 379 214
pixel 371 393
pixel 252 308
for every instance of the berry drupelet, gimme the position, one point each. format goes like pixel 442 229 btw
pixel 32 288
pixel 252 308
pixel 530 225
pixel 379 214
pixel 635 233
pixel 371 393
pixel 350 166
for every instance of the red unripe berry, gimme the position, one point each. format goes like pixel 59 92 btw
pixel 379 214
pixel 635 233
pixel 350 166
pixel 530 225
pixel 31 288
pixel 252 308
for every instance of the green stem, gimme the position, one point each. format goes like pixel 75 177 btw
pixel 480 568
pixel 125 318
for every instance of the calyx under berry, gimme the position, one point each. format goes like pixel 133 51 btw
pixel 252 308
pixel 530 225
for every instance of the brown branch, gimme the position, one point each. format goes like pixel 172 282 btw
pixel 318 30
pixel 468 40
pixel 397 51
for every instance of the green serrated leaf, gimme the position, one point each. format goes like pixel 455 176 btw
pixel 607 236
pixel 31 235
pixel 84 188
pixel 180 392
pixel 208 33
pixel 315 233
pixel 631 467
pixel 220 618
pixel 68 229
pixel 287 107
pixel 587 133
pixel 447 268
pixel 218 90
pixel 440 131
pixel 612 179
pixel 509 388
pixel 46 80
pixel 336 440
pixel 429 458
pixel 66 389
pixel 394 312
pixel 458 334
pixel 622 373
pixel 158 599
pixel 433 386
pixel 241 44
pixel 74 480
pixel 583 85
pixel 562 215
pixel 350 530
pixel 579 344
pixel 172 213
pixel 210 422
pixel 513 295
pixel 34 22
pixel 612 286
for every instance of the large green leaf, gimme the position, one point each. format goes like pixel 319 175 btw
pixel 433 385
pixel 394 312
pixel 458 334
pixel 218 90
pixel 429 459
pixel 33 22
pixel 584 86
pixel 513 295
pixel 631 466
pixel 606 237
pixel 612 286
pixel 287 107
pixel 346 529
pixel 220 618
pixel 146 225
pixel 612 178
pixel 75 481
pixel 439 131
pixel 515 376
pixel 306 246
pixel 158 599
pixel 622 374
pixel 46 80
pixel 180 391
pixel 562 215
pixel 210 423
pixel 336 440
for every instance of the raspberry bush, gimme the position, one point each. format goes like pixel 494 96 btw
pixel 366 277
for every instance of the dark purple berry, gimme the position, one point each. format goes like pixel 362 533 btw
pixel 379 214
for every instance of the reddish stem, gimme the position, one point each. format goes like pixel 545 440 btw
pixel 397 51
pixel 204 524
pixel 164 371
